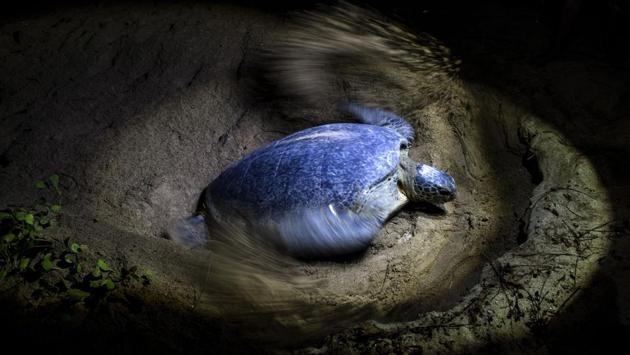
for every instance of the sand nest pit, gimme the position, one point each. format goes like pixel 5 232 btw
pixel 421 261
pixel 141 128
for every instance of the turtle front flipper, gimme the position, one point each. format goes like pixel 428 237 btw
pixel 381 118
pixel 325 232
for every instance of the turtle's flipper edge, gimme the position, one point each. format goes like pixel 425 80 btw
pixel 327 231
pixel 378 117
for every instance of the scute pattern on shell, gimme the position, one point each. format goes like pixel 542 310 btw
pixel 329 164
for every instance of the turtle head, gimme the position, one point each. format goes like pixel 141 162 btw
pixel 433 185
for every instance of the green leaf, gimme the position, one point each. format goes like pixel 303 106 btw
pixel 95 283
pixel 29 218
pixel 8 237
pixel 19 215
pixel 3 274
pixel 40 184
pixel 24 263
pixel 104 283
pixel 47 264
pixel 54 181
pixel 78 295
pixel 4 215
pixel 69 258
pixel 75 248
pixel 108 284
pixel 96 272
pixel 78 268
pixel 55 208
pixel 101 264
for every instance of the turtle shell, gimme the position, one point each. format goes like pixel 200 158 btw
pixel 328 164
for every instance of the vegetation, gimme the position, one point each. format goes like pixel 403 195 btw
pixel 50 268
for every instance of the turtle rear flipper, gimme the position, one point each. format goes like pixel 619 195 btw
pixel 327 231
pixel 378 117
pixel 191 232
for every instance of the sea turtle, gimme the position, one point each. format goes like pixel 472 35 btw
pixel 324 191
